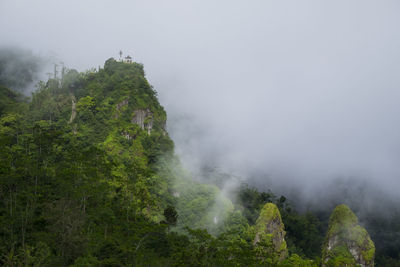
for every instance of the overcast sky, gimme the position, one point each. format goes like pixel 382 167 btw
pixel 304 91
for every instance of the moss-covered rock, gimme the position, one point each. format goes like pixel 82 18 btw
pixel 270 232
pixel 347 243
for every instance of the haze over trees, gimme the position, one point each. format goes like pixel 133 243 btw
pixel 258 133
pixel 89 177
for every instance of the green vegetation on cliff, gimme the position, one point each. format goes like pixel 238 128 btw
pixel 346 241
pixel 270 233
pixel 84 185
pixel 88 177
pixel 88 174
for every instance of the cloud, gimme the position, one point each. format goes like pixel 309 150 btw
pixel 20 69
pixel 302 92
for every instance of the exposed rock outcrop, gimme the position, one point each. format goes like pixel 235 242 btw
pixel 128 135
pixel 119 106
pixel 144 118
pixel 270 231
pixel 73 109
pixel 122 104
pixel 347 243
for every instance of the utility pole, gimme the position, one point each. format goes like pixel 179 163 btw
pixel 55 71
pixel 63 69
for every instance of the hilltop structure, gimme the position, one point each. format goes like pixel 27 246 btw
pixel 127 59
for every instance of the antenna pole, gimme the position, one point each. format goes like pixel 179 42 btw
pixel 55 71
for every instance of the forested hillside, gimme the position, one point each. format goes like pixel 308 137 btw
pixel 89 178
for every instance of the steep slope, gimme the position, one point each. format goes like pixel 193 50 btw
pixel 88 177
pixel 270 231
pixel 88 172
pixel 347 243
pixel 102 107
pixel 77 171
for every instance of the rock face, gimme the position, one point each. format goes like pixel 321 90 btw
pixel 119 106
pixel 347 243
pixel 144 118
pixel 73 109
pixel 122 104
pixel 270 231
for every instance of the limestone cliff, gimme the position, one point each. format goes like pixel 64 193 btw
pixel 143 118
pixel 73 109
pixel 347 243
pixel 270 231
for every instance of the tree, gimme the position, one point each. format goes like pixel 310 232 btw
pixel 171 216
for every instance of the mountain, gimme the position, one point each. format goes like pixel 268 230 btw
pixel 88 173
pixel 89 177
pixel 270 229
pixel 347 243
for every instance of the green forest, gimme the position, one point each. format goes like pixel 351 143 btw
pixel 89 177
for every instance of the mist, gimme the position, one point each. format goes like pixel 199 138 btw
pixel 290 95
pixel 20 69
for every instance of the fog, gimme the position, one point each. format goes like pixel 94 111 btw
pixel 286 94
pixel 20 69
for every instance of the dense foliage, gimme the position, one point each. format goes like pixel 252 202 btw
pixel 88 177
